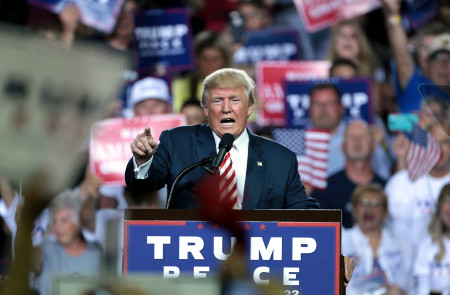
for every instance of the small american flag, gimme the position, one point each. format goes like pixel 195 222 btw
pixel 311 147
pixel 424 152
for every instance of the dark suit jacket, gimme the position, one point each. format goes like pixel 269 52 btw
pixel 272 180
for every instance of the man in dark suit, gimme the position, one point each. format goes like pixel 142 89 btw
pixel 266 172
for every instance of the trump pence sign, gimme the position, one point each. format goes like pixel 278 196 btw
pixel 303 257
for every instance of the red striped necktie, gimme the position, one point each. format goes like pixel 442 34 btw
pixel 228 184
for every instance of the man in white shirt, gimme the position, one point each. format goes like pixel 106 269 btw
pixel 411 204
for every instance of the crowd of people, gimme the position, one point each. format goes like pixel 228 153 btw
pixel 390 223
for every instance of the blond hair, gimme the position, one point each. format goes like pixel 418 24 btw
pixel 365 61
pixel 229 78
pixel 436 228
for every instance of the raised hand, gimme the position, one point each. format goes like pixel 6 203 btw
pixel 143 147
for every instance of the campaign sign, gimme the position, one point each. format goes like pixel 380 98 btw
pixel 273 44
pixel 269 82
pixel 164 37
pixel 319 14
pixel 110 141
pixel 372 284
pixel 99 14
pixel 303 257
pixel 356 97
pixel 418 17
pixel 49 98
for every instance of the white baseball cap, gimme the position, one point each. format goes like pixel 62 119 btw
pixel 149 88
pixel 440 43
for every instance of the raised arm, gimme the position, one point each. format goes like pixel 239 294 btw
pixel 69 18
pixel 399 41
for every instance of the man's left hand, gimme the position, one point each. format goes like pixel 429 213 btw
pixel 349 266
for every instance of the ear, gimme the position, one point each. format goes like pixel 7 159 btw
pixel 250 110
pixel 205 109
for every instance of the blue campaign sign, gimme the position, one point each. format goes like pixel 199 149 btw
pixel 356 97
pixel 302 256
pixel 99 14
pixel 164 36
pixel 419 13
pixel 273 44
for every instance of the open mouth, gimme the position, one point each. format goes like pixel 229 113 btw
pixel 227 122
pixel 368 217
pixel 348 46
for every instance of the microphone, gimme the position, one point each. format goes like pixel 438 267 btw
pixel 225 145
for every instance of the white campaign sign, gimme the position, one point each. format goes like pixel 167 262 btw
pixel 49 99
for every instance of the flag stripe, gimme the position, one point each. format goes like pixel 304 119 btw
pixel 424 152
pixel 311 147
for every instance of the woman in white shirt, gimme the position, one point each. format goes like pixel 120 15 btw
pixel 432 266
pixel 372 246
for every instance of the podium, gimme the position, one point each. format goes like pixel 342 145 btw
pixel 298 249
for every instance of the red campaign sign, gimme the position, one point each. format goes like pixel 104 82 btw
pixel 109 149
pixel 270 86
pixel 319 14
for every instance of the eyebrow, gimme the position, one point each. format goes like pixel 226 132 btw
pixel 222 97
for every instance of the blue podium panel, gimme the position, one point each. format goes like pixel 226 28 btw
pixel 301 256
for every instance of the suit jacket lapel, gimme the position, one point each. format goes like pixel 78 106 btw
pixel 206 146
pixel 254 179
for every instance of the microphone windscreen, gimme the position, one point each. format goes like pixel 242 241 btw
pixel 226 141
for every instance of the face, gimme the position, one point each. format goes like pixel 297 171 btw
pixel 194 115
pixel 325 110
pixel 210 60
pixel 254 18
pixel 125 22
pixel 151 107
pixel 444 211
pixel 369 212
pixel 358 144
pixel 444 13
pixel 343 71
pixel 439 69
pixel 444 142
pixel 422 52
pixel 347 44
pixel 429 114
pixel 227 110
pixel 64 227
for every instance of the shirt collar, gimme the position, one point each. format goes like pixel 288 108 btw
pixel 239 143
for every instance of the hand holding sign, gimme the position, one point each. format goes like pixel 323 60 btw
pixel 143 147
pixel 69 18
pixel 99 14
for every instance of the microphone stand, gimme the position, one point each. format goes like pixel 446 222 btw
pixel 202 163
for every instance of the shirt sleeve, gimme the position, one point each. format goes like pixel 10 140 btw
pixel 8 214
pixel 141 172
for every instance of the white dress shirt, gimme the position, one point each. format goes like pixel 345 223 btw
pixel 239 156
